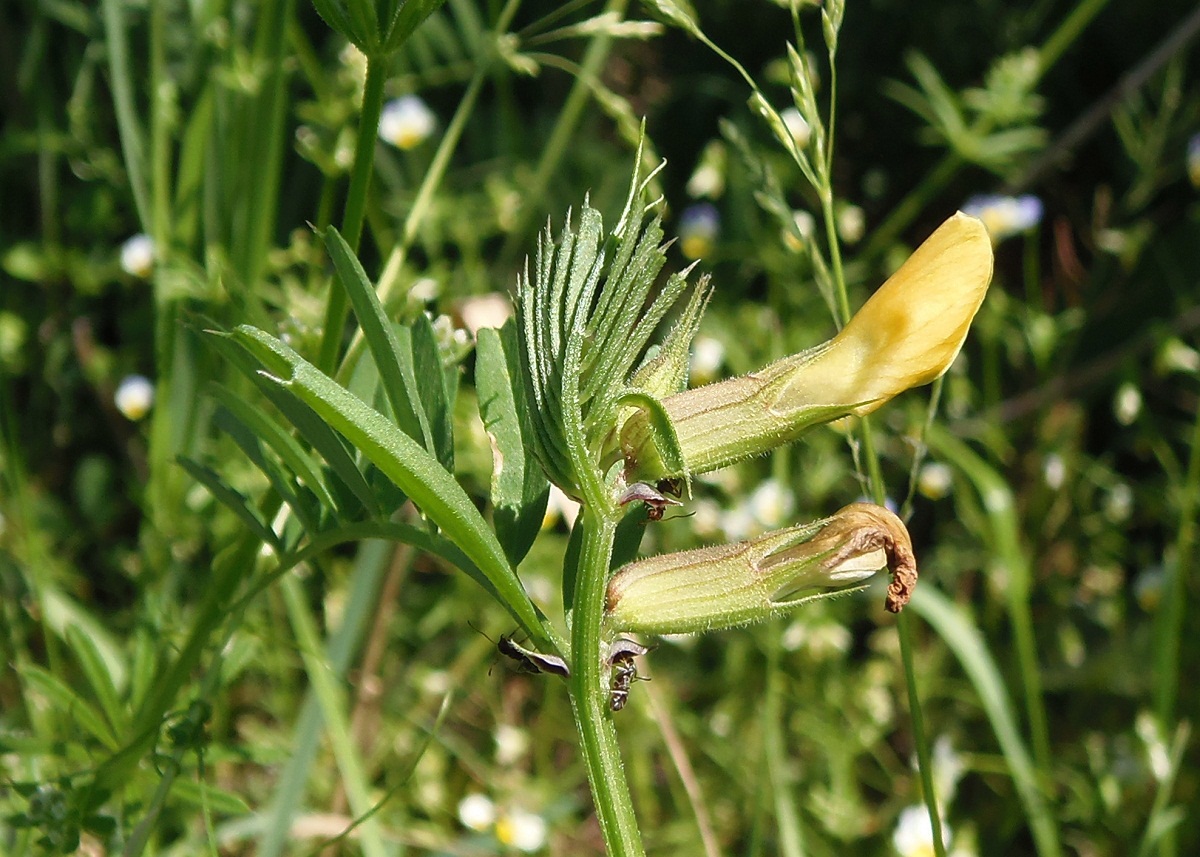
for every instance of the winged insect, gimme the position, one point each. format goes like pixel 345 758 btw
pixel 529 661
pixel 656 502
pixel 623 671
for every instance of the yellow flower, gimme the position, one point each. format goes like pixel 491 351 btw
pixel 906 335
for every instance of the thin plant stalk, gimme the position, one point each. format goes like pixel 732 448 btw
pixel 939 177
pixel 431 182
pixel 356 204
pixel 559 140
pixel 874 474
pixel 589 696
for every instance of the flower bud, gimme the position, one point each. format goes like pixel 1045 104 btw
pixel 728 585
pixel 906 335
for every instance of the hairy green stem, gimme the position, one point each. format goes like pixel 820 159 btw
pixel 590 693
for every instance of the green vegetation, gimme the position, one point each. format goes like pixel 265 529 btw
pixel 273 466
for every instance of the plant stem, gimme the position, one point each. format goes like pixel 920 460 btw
pixel 879 494
pixel 590 694
pixel 560 137
pixel 356 205
pixel 920 737
pixel 430 183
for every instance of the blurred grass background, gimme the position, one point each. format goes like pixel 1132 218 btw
pixel 1054 510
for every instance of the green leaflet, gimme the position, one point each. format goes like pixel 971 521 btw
pixel 393 357
pixel 519 487
pixel 402 460
pixel 585 317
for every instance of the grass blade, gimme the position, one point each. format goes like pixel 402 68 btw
pixel 964 640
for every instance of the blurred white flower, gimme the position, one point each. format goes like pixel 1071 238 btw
pixel 526 831
pixel 794 636
pixel 948 769
pixel 707 356
pixel 913 836
pixel 137 256
pixel 560 506
pixel 490 310
pixel 405 122
pixel 851 224
pixel 738 523
pixel 449 336
pixel 805 225
pixel 1157 752
pixel 699 226
pixel 424 290
pixel 706 517
pixel 1005 216
pixel 477 812
pixel 705 181
pixel 354 60
pixel 935 480
pixel 1127 403
pixel 436 682
pixel 134 397
pixel 708 179
pixel 1118 506
pixel 822 639
pixel 1176 356
pixel 721 724
pixel 343 151
pixel 772 504
pixel 797 126
pixel 512 743
pixel 1054 471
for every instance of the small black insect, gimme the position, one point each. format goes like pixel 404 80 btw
pixel 529 661
pixel 624 671
pixel 656 502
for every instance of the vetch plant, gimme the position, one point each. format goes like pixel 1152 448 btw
pixel 610 431
pixel 575 390
pixel 576 393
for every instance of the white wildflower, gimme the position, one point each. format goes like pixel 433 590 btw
pixel 477 812
pixel 138 255
pixel 406 122
pixel 134 397
pixel 526 831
